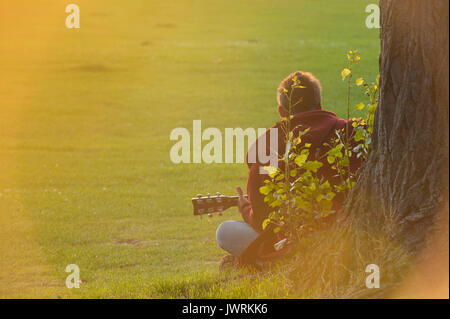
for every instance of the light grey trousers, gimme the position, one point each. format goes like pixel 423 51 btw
pixel 234 236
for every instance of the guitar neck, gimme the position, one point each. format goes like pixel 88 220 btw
pixel 234 200
pixel 213 204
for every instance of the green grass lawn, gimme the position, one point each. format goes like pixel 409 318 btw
pixel 85 119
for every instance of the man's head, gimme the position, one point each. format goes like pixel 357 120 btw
pixel 303 99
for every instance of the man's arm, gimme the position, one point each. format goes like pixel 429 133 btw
pixel 254 210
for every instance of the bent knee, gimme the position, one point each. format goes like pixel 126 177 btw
pixel 222 232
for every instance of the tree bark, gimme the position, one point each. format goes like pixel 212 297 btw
pixel 404 184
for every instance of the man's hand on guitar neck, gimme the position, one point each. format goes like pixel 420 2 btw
pixel 243 203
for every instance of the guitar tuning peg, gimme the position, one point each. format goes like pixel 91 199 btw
pixel 210 215
pixel 209 195
pixel 199 195
pixel 218 194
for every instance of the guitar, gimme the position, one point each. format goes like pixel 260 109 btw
pixel 208 205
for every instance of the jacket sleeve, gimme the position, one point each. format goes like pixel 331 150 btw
pixel 255 213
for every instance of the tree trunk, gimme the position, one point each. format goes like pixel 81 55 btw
pixel 404 183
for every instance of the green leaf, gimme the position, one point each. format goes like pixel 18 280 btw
pixel 331 159
pixel 345 72
pixel 325 185
pixel 359 136
pixel 360 106
pixel 265 190
pixel 265 223
pixel 304 151
pixel 276 203
pixel 272 170
pixel 312 166
pixel 344 162
pixel 301 159
pixel 301 133
pixel 336 151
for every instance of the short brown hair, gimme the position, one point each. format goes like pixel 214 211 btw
pixel 303 99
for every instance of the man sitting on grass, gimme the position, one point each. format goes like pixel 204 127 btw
pixel 235 236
